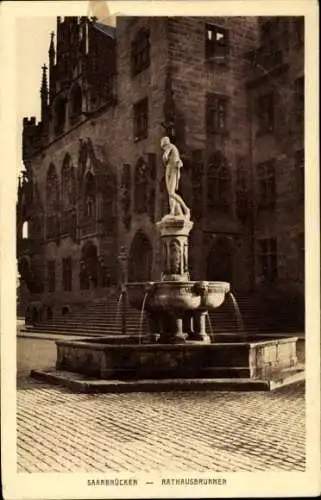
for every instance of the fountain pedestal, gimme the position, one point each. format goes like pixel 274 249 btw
pixel 174 231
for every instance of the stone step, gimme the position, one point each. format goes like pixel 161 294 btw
pixel 82 384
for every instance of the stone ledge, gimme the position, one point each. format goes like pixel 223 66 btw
pixel 82 384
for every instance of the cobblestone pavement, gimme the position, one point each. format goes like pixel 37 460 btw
pixel 59 431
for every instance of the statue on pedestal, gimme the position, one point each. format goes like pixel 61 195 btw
pixel 173 164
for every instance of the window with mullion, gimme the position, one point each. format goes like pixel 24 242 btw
pixel 216 43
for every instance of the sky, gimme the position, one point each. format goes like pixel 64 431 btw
pixel 32 52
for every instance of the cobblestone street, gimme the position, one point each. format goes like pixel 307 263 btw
pixel 141 432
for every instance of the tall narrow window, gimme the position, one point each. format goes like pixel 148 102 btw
pixel 268 259
pixel 52 204
pixel 67 274
pixel 266 185
pixel 216 114
pixel 68 197
pixel 265 113
pixel 140 57
pixel 141 120
pixel 90 196
pixel 51 275
pixel 216 44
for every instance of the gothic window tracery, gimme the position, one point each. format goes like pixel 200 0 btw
pixel 52 203
pixel 218 174
pixel 52 188
pixel 68 188
pixel 90 195
pixel 68 183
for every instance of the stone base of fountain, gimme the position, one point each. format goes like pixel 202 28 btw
pixel 99 365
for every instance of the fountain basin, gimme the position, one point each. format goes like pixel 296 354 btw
pixel 254 359
pixel 177 295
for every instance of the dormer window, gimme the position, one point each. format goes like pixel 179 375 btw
pixel 216 44
pixel 140 57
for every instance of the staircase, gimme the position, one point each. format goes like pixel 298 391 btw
pixel 104 317
pixel 99 318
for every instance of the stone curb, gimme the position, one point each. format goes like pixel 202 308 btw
pixel 75 383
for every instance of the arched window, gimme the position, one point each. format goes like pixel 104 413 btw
pixel 90 196
pixel 60 115
pixel 68 183
pixel 68 197
pixel 141 187
pixel 218 195
pixel 52 203
pixel 76 101
pixel 52 188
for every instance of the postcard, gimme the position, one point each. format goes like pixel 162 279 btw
pixel 160 249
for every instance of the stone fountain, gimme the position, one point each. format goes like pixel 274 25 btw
pixel 178 352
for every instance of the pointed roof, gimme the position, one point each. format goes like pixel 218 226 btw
pixel 52 45
pixel 44 83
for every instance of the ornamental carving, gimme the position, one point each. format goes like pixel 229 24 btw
pixel 175 257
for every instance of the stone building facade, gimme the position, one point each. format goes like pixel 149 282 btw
pixel 230 94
